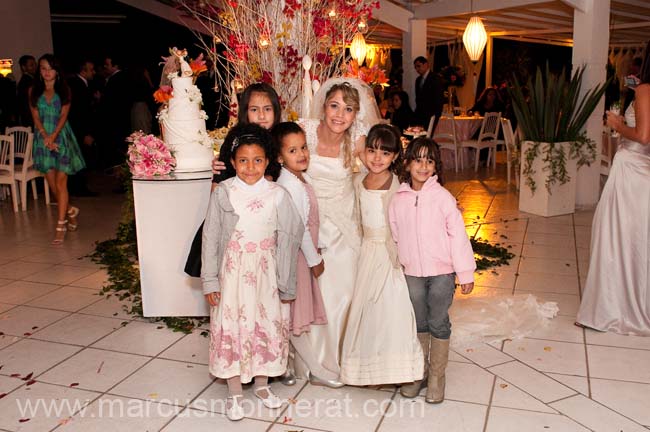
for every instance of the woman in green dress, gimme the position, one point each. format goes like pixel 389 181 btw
pixel 56 152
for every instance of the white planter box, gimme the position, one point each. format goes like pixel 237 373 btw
pixel 561 200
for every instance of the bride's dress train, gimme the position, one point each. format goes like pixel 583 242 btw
pixel 485 317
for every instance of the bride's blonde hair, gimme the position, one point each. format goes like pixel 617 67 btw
pixel 351 98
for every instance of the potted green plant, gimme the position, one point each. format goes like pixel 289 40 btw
pixel 552 118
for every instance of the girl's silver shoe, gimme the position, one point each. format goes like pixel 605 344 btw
pixel 314 380
pixel 288 378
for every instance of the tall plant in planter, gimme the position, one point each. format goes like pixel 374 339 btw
pixel 552 118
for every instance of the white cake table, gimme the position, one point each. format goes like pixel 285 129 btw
pixel 168 211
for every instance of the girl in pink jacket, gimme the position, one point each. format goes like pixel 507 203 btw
pixel 434 249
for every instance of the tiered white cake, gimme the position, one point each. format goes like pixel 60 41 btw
pixel 183 127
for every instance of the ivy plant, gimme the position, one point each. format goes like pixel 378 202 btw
pixel 549 111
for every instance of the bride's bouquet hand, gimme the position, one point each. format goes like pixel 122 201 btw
pixel 615 121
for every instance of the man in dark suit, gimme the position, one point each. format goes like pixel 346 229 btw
pixel 82 121
pixel 429 93
pixel 28 70
pixel 206 83
pixel 114 113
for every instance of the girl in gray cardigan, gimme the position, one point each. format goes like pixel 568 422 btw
pixel 251 238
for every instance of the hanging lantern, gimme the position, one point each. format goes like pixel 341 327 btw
pixel 358 48
pixel 238 85
pixel 362 27
pixel 475 38
pixel 5 66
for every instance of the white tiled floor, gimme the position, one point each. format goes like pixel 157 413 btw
pixel 84 349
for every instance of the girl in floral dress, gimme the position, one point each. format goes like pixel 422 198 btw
pixel 56 152
pixel 251 238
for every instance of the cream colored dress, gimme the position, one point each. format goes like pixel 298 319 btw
pixel 339 240
pixel 616 296
pixel 380 345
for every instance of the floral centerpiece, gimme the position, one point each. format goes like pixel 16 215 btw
pixel 371 76
pixel 453 76
pixel 267 40
pixel 148 155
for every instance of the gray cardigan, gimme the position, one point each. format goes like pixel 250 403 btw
pixel 220 224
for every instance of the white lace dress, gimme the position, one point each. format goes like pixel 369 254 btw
pixel 616 296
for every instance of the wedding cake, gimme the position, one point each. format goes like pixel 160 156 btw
pixel 183 127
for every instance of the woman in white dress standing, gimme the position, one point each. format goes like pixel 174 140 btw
pixel 616 296
pixel 343 111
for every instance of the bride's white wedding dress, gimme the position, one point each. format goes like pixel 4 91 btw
pixel 616 296
pixel 340 240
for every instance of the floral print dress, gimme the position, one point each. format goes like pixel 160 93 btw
pixel 250 328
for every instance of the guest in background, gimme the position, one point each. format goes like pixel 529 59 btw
pixel 28 69
pixel 401 115
pixel 82 120
pixel 429 94
pixel 114 112
pixel 56 153
pixel 141 99
pixel 7 102
pixel 207 83
pixel 489 101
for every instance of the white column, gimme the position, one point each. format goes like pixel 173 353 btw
pixel 25 29
pixel 590 44
pixel 414 44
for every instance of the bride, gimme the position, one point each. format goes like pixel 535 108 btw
pixel 616 296
pixel 343 110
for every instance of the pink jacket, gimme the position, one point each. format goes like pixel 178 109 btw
pixel 430 232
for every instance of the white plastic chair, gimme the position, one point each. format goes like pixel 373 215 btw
pixel 487 138
pixel 25 173
pixel 511 144
pixel 7 167
pixel 445 136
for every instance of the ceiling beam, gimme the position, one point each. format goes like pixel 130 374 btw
pixel 581 5
pixel 392 14
pixel 460 7
pixel 533 32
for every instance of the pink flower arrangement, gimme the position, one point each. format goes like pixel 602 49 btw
pixel 149 156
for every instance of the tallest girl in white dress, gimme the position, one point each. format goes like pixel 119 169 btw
pixel 343 111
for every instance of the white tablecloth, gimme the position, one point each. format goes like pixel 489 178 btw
pixel 466 127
